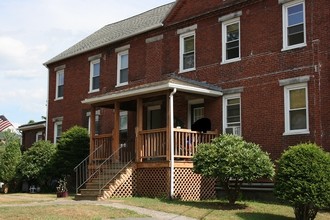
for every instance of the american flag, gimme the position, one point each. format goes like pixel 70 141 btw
pixel 4 123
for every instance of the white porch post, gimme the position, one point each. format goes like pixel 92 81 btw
pixel 172 140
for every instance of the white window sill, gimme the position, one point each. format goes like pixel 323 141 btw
pixel 230 61
pixel 122 84
pixel 187 70
pixel 287 133
pixel 93 91
pixel 294 47
pixel 58 99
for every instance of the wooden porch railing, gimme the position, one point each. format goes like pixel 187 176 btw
pixel 154 142
pixel 104 143
pixel 186 141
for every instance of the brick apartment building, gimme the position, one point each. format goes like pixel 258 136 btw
pixel 255 68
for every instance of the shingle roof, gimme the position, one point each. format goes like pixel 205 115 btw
pixel 118 31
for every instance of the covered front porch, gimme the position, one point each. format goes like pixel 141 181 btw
pixel 152 130
pixel 153 121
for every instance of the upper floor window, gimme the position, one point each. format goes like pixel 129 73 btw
pixel 294 27
pixel 187 52
pixel 231 40
pixel 59 84
pixel 296 109
pixel 94 76
pixel 122 72
pixel 232 114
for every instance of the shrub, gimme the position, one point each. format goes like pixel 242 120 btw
pixel 230 159
pixel 9 160
pixel 73 147
pixel 37 162
pixel 303 179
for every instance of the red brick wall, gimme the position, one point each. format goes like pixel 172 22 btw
pixel 262 65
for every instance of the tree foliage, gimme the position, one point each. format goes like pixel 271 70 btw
pixel 37 162
pixel 303 179
pixel 73 147
pixel 232 160
pixel 10 159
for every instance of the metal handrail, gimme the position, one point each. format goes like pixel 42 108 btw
pixel 82 171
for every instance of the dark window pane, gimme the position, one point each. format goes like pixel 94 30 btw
pixel 298 119
pixel 123 75
pixel 96 83
pixel 188 61
pixel 60 91
pixel 232 53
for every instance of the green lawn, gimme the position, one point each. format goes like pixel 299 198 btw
pixel 206 210
pixel 209 210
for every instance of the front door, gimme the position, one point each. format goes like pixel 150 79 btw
pixel 154 117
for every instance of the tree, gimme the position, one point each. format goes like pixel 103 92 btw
pixel 10 159
pixel 73 147
pixel 37 162
pixel 303 179
pixel 232 160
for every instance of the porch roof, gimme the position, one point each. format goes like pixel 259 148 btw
pixel 178 83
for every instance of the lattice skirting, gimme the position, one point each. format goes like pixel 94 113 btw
pixel 128 187
pixel 155 182
pixel 190 186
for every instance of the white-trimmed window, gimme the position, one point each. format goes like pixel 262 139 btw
pixel 232 114
pixel 94 85
pixel 294 25
pixel 296 109
pixel 57 131
pixel 187 52
pixel 231 41
pixel 39 136
pixel 122 71
pixel 59 84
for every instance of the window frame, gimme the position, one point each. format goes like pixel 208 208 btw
pixel 287 109
pixel 182 49
pixel 58 74
pixel 92 77
pixel 285 25
pixel 119 62
pixel 225 24
pixel 56 136
pixel 224 112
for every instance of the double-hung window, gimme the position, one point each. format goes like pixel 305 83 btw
pixel 187 52
pixel 122 72
pixel 94 76
pixel 231 41
pixel 296 109
pixel 59 84
pixel 294 25
pixel 57 131
pixel 232 114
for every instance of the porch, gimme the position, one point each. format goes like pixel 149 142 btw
pixel 150 139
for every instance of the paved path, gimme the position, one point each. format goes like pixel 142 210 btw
pixel 152 213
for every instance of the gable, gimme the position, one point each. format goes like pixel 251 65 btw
pixel 185 9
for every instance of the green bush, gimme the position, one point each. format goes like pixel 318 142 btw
pixel 9 160
pixel 37 163
pixel 73 147
pixel 232 160
pixel 303 179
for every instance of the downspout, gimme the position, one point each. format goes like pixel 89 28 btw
pixel 172 141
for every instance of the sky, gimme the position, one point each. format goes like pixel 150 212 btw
pixel 34 31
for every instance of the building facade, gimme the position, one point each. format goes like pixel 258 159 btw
pixel 255 68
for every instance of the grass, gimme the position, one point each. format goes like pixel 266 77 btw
pixel 217 209
pixel 206 210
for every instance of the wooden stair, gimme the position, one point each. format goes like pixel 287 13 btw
pixel 116 175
